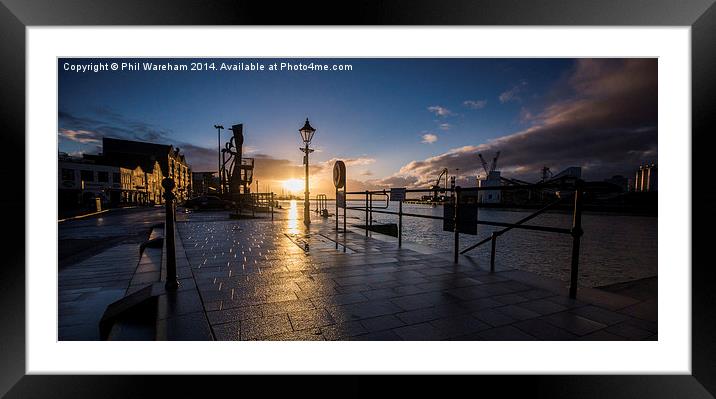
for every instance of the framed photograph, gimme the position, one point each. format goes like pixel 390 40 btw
pixel 408 189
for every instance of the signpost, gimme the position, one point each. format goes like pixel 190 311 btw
pixel 397 194
pixel 339 180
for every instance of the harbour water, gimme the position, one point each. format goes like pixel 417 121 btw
pixel 615 248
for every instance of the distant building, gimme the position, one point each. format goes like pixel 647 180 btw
pixel 127 172
pixel 646 179
pixel 204 183
pixel 490 196
pixel 170 160
pixel 81 180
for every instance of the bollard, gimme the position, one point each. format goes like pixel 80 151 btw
pixel 170 211
pixel 576 238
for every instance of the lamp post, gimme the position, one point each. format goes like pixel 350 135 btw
pixel 218 171
pixel 306 135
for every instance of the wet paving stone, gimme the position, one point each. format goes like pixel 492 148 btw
pixel 310 319
pixel 575 324
pixel 380 323
pixel 259 328
pixel 256 282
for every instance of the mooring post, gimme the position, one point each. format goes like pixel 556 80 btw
pixel 366 213
pixel 400 223
pixel 493 238
pixel 455 226
pixel 576 238
pixel 169 210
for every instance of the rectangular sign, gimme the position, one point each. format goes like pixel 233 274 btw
pixel 397 194
pixel 467 218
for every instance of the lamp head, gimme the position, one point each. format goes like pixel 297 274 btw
pixel 307 132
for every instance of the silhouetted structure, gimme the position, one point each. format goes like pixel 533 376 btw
pixel 237 172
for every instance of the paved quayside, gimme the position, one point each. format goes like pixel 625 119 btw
pixel 259 279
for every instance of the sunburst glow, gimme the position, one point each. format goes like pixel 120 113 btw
pixel 293 185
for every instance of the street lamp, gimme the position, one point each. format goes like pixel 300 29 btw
pixel 218 171
pixel 306 135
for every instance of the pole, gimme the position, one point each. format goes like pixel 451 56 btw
pixel 218 171
pixel 576 239
pixel 307 204
pixel 370 214
pixel 457 230
pixel 272 206
pixel 345 210
pixel 366 213
pixel 169 210
pixel 400 223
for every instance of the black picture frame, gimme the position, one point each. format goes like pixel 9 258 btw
pixel 16 15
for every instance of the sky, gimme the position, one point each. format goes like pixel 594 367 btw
pixel 395 122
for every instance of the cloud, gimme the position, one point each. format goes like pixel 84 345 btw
pixel 429 138
pixel 475 104
pixel 392 181
pixel 440 111
pixel 80 136
pixel 513 93
pixel 105 123
pixel 445 126
pixel 605 122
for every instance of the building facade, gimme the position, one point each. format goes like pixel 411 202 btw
pixel 170 160
pixel 82 180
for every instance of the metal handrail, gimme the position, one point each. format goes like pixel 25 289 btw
pixel 575 231
pixel 521 221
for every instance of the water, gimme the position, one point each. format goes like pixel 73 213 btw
pixel 615 248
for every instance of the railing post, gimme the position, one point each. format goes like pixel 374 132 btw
pixel 492 252
pixel 576 239
pixel 169 210
pixel 366 213
pixel 272 206
pixel 370 214
pixel 345 212
pixel 400 224
pixel 456 228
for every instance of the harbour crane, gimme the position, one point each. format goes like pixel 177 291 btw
pixel 546 173
pixel 492 167
pixel 484 164
pixel 436 186
pixel 494 162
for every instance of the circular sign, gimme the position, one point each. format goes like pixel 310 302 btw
pixel 339 174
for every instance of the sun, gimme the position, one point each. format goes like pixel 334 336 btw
pixel 293 185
